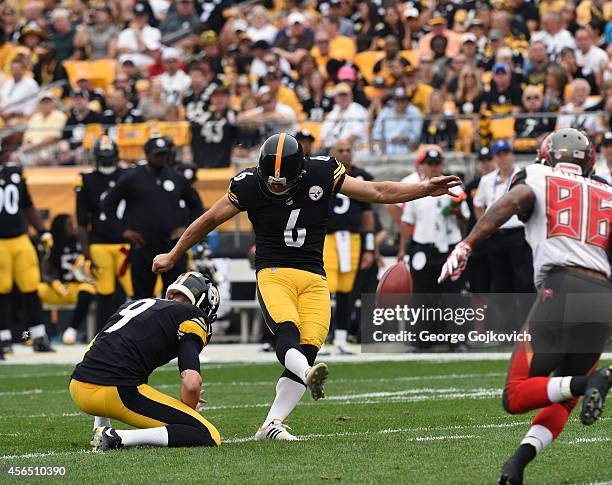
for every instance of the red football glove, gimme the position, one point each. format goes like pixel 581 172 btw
pixel 456 262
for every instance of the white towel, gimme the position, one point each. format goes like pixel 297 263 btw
pixel 343 243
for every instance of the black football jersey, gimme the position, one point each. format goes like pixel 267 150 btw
pixel 62 260
pixel 91 189
pixel 141 336
pixel 14 198
pixel 291 233
pixel 344 212
pixel 155 204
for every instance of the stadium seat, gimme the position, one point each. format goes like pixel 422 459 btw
pixel 130 139
pixel 315 129
pixel 465 136
pixel 410 56
pixel 101 73
pixel 177 130
pixel 502 128
pixel 92 133
pixel 365 62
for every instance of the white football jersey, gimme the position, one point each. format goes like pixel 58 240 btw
pixel 571 221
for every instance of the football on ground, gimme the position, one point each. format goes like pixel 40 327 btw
pixel 411 422
pixel 397 279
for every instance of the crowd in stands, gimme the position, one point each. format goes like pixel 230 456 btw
pixel 219 76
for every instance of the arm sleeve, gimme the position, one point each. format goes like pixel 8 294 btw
pixel 189 355
pixel 238 190
pixel 82 211
pixel 339 172
pixel 195 328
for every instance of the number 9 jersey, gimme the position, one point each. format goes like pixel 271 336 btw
pixel 570 223
pixel 290 232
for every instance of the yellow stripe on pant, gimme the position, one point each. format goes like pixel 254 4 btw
pixel 341 282
pixel 293 295
pixel 98 400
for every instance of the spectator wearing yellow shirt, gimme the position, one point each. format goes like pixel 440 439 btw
pixel 321 50
pixel 44 131
pixel 418 93
pixel 283 94
pixel 384 66
pixel 342 47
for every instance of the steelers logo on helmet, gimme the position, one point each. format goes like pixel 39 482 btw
pixel 569 149
pixel 200 290
pixel 106 155
pixel 280 167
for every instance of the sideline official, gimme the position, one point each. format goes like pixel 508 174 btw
pixel 156 198
pixel 508 254
pixel 431 227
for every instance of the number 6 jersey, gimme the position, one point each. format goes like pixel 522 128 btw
pixel 289 233
pixel 571 220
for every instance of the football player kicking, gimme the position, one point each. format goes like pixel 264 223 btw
pixel 111 381
pixel 568 224
pixel 287 199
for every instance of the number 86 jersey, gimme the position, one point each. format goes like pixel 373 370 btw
pixel 290 232
pixel 571 220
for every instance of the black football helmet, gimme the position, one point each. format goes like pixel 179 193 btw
pixel 281 166
pixel 568 146
pixel 200 290
pixel 106 155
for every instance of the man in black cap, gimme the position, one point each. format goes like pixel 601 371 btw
pixel 603 169
pixel 155 201
pixel 306 140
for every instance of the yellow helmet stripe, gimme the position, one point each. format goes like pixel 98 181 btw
pixel 279 154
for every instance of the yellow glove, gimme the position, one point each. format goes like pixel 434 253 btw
pixel 46 240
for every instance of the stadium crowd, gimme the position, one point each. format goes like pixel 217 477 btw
pixel 221 76
pixel 483 77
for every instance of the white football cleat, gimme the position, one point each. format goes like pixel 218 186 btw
pixel 315 380
pixel 276 430
pixel 69 336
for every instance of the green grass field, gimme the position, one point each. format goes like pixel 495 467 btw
pixel 384 422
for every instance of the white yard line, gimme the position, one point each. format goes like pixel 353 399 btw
pixel 388 431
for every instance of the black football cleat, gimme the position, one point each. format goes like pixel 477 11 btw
pixel 512 473
pixel 42 344
pixel 106 438
pixel 597 388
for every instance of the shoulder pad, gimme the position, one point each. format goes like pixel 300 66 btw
pixel 519 178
